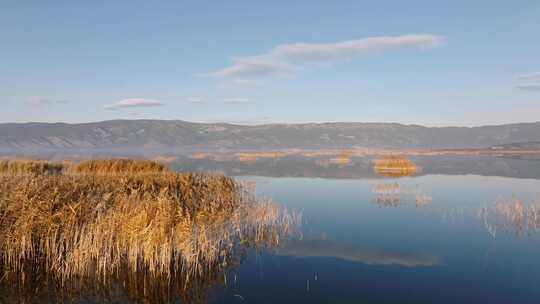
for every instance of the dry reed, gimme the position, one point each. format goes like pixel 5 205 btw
pixel 119 166
pixel 511 215
pixel 104 219
pixel 29 167
pixel 394 166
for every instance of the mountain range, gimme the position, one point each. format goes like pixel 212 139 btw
pixel 173 135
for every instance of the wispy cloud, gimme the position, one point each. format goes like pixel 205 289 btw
pixel 284 58
pixel 134 103
pixel 530 77
pixel 314 52
pixel 529 81
pixel 36 101
pixel 528 86
pixel 244 82
pixel 236 100
pixel 196 99
pixel 255 66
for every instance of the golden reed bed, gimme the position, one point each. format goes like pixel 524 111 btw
pixel 129 222
pixel 394 166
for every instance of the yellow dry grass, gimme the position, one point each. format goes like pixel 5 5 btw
pixel 25 167
pixel 200 155
pixel 253 156
pixel 340 162
pixel 394 166
pixel 103 219
pixel 119 166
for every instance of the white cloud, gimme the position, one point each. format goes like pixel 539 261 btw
pixel 236 100
pixel 253 66
pixel 529 81
pixel 245 82
pixel 283 58
pixel 308 52
pixel 530 77
pixel 134 103
pixel 36 101
pixel 196 99
pixel 529 86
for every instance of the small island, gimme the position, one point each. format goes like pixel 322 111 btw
pixel 394 166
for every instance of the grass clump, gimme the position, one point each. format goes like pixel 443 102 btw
pixel 32 167
pixel 102 224
pixel 119 166
pixel 394 166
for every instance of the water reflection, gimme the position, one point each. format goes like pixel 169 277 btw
pixel 382 255
pixel 511 215
pixel 394 194
pixel 453 215
pixel 263 227
pixel 125 286
pixel 354 253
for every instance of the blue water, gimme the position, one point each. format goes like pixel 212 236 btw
pixel 354 250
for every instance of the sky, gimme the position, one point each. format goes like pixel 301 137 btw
pixel 463 63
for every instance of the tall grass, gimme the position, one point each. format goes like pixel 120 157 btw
pixel 394 166
pixel 32 167
pixel 103 221
pixel 99 167
pixel 119 166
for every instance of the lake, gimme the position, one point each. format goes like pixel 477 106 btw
pixel 433 238
pixel 461 230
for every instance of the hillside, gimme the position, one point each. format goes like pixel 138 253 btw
pixel 519 146
pixel 174 135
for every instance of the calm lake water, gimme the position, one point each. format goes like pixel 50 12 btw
pixel 433 238
pixel 464 230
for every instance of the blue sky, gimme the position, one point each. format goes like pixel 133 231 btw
pixel 423 62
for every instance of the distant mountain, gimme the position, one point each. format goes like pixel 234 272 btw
pixel 161 135
pixel 532 145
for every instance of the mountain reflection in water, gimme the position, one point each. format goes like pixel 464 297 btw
pixel 353 253
pixel 362 167
pixel 471 242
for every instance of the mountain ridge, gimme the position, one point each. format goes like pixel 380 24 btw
pixel 180 134
pixel 264 124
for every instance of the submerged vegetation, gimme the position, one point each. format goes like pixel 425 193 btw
pixel 129 222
